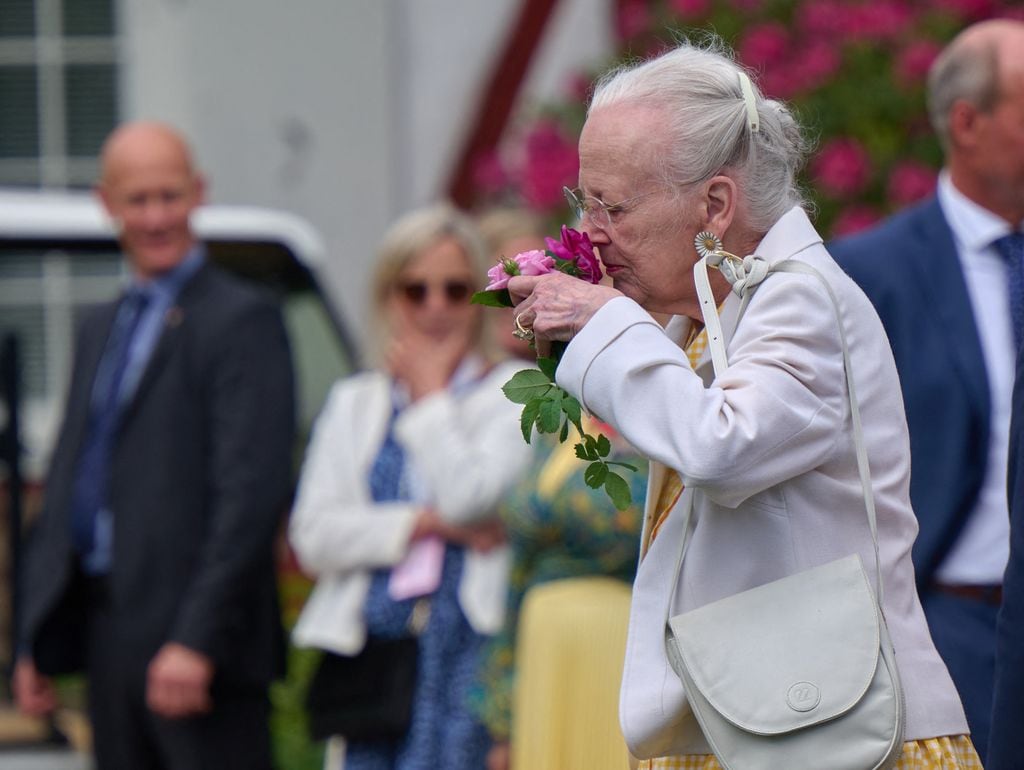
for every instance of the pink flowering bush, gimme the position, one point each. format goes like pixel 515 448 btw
pixel 853 70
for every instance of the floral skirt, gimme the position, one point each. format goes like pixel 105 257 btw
pixel 946 753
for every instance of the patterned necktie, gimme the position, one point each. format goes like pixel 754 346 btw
pixel 92 474
pixel 672 485
pixel 1012 248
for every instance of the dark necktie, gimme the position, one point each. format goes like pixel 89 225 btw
pixel 89 493
pixel 1012 248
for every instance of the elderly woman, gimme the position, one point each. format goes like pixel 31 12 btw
pixel 675 147
pixel 395 508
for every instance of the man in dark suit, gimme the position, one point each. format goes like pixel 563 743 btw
pixel 945 278
pixel 151 565
pixel 1006 743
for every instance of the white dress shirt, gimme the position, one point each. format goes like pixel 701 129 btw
pixel 979 555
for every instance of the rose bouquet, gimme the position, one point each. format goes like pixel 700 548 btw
pixel 547 407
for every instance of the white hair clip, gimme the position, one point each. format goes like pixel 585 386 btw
pixel 749 101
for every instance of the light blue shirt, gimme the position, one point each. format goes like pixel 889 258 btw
pixel 162 292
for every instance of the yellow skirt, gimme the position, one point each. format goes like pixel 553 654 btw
pixel 947 753
pixel 569 653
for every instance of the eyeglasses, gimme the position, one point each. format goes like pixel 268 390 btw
pixel 602 215
pixel 416 292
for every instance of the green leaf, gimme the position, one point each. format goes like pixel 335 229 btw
pixel 604 446
pixel 581 452
pixel 548 366
pixel 492 298
pixel 525 386
pixel 550 417
pixel 623 465
pixel 565 432
pixel 618 490
pixel 573 411
pixel 529 417
pixel 595 474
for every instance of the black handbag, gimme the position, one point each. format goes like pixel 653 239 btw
pixel 366 696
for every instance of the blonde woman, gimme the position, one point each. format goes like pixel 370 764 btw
pixel 394 514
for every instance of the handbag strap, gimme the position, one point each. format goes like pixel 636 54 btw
pixel 745 275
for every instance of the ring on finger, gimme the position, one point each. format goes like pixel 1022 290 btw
pixel 521 332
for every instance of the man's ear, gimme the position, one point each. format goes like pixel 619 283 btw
pixel 720 197
pixel 199 182
pixel 103 195
pixel 963 124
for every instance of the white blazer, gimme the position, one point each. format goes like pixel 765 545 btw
pixel 468 449
pixel 766 451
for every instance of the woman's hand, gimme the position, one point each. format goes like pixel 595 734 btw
pixel 556 305
pixel 479 536
pixel 425 362
pixel 499 757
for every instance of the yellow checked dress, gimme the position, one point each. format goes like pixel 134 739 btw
pixel 944 753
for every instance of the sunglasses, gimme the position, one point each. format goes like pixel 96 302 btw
pixel 454 292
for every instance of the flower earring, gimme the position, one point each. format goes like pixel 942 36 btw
pixel 706 243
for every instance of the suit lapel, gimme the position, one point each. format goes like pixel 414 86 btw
pixel 93 343
pixel 170 337
pixel 945 291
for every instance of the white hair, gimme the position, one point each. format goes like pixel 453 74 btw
pixel 699 88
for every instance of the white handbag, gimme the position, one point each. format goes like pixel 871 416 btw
pixel 799 673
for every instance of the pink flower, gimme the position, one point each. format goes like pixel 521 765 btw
pixel 813 65
pixel 842 168
pixel 855 218
pixel 764 45
pixel 910 182
pixel 489 173
pixel 633 17
pixel 879 20
pixel 576 247
pixel 534 262
pixel 550 163
pixel 914 61
pixel 822 20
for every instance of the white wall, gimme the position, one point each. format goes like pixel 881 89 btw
pixel 348 112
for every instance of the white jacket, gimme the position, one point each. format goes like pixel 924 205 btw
pixel 767 452
pixel 468 449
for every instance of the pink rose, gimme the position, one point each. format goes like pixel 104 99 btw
pixel 631 18
pixel 489 173
pixel 842 168
pixel 534 262
pixel 910 182
pixel 764 45
pixel 854 219
pixel 550 163
pixel 576 247
pixel 915 60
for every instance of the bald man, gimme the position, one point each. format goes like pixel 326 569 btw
pixel 151 565
pixel 946 279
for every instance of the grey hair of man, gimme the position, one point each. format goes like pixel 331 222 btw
pixel 699 88
pixel 966 69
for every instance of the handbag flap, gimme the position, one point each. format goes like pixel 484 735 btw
pixel 785 655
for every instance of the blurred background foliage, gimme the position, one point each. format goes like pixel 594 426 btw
pixel 852 70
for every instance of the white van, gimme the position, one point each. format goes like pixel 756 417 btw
pixel 58 255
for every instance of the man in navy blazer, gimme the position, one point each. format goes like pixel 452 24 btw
pixel 151 566
pixel 1006 743
pixel 940 283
